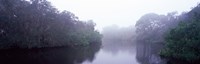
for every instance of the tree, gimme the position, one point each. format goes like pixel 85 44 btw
pixel 151 30
pixel 182 42
pixel 152 27
pixel 35 23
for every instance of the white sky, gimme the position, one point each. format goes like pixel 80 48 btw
pixel 120 12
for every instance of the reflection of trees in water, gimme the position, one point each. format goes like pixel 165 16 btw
pixel 114 46
pixel 63 55
pixel 147 53
pixel 117 39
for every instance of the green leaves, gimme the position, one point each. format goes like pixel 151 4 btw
pixel 36 24
pixel 183 42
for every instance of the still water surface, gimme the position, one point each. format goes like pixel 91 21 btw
pixel 115 52
pixel 105 57
pixel 94 54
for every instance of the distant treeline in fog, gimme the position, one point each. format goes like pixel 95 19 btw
pixel 116 33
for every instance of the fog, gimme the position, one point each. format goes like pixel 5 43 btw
pixel 118 46
pixel 122 24
pixel 99 32
pixel 121 12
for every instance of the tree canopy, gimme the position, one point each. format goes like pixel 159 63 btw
pixel 182 42
pixel 36 23
pixel 152 27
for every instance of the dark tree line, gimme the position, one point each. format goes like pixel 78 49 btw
pixel 183 42
pixel 150 31
pixel 173 37
pixel 36 23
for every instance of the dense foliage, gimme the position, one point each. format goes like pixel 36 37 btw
pixel 152 27
pixel 175 37
pixel 150 31
pixel 183 42
pixel 35 23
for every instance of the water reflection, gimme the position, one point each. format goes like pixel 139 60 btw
pixel 111 52
pixel 115 52
pixel 148 53
pixel 62 55
pixel 115 46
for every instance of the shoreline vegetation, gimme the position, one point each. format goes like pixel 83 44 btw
pixel 37 24
pixel 174 37
pixel 182 42
pixel 33 24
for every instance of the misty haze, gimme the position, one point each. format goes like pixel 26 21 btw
pixel 99 32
